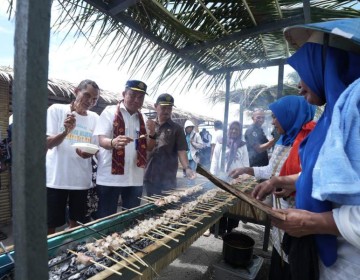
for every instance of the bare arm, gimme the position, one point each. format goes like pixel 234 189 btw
pixel 56 140
pixel 263 147
pixel 269 186
pixel 116 143
pixel 242 170
pixel 151 139
pixel 185 164
pixel 301 222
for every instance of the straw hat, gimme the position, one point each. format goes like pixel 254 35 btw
pixel 344 34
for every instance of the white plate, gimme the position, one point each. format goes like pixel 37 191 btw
pixel 86 147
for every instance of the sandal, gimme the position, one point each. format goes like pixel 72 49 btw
pixel 207 233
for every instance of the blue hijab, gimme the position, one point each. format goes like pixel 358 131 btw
pixel 328 82
pixel 292 112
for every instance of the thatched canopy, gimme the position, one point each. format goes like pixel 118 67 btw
pixel 200 39
pixel 60 91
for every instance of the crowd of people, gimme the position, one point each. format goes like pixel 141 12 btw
pixel 312 176
pixel 136 154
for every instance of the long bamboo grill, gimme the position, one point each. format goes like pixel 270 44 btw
pixel 145 256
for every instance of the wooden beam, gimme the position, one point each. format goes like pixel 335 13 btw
pixel 248 66
pixel 245 33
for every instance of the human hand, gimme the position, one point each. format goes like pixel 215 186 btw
pixel 190 173
pixel 280 192
pixel 262 190
pixel 150 125
pixel 297 222
pixel 69 123
pixel 82 154
pixel 236 172
pixel 121 141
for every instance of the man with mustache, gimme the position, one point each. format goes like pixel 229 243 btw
pixel 170 145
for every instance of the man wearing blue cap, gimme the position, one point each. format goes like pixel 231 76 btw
pixel 168 147
pixel 123 137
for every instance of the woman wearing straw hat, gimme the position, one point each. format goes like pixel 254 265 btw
pixel 324 230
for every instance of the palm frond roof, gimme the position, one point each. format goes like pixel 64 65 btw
pixel 60 91
pixel 202 38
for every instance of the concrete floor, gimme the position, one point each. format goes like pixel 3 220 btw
pixel 197 262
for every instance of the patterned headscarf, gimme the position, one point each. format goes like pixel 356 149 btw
pixel 233 144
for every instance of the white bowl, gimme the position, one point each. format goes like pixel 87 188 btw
pixel 87 147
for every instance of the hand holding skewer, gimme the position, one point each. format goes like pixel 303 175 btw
pixel 69 123
pixel 120 142
pixel 150 125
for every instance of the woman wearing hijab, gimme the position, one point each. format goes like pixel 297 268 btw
pixel 292 118
pixel 236 152
pixel 317 225
pixel 236 155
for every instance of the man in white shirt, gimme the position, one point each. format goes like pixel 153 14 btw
pixel 124 140
pixel 68 170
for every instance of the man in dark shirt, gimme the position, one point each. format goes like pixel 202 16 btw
pixel 169 146
pixel 256 141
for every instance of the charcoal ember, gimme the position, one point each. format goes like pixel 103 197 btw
pixel 81 247
pixel 91 271
pixel 75 277
pixel 141 244
pixel 54 260
pixel 72 271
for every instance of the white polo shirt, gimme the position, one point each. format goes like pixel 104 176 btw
pixel 133 175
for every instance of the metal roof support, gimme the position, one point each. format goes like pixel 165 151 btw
pixel 307 12
pixel 117 6
pixel 280 80
pixel 247 66
pixel 32 33
pixel 226 119
pixel 245 33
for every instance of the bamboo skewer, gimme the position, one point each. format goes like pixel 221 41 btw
pixel 164 234
pixel 125 266
pixel 207 209
pixel 133 255
pixel 197 222
pixel 171 230
pixel 99 264
pixel 186 225
pixel 150 198
pixel 198 215
pixel 156 240
pixel 145 199
pixel 124 258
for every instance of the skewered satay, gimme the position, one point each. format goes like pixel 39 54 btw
pixel 96 263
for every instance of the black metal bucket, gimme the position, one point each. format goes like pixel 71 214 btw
pixel 238 249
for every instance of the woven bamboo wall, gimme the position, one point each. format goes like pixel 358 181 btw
pixel 5 189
